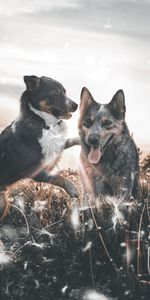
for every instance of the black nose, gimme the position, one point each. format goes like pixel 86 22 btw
pixel 74 106
pixel 93 140
pixel 71 105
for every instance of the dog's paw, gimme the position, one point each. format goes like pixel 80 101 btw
pixel 71 189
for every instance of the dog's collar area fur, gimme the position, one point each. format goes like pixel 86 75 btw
pixel 49 119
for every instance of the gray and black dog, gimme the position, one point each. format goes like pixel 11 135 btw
pixel 109 156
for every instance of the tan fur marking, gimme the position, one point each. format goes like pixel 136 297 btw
pixel 85 129
pixel 44 106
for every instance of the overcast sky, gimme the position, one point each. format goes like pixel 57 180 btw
pixel 104 45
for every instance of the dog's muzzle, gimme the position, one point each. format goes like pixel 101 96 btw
pixel 97 147
pixel 71 107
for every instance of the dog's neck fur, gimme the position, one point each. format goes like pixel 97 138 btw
pixel 53 137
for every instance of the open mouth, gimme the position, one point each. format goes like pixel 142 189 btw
pixel 66 116
pixel 95 153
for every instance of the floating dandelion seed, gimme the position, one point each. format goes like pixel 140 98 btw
pixel 66 45
pixel 93 295
pixel 64 289
pixel 127 293
pixel 90 224
pixel 37 285
pixel 4 258
pixel 108 25
pixel 75 220
pixel 41 245
pixel 87 247
pixel 54 279
pixel 25 265
pixel 123 244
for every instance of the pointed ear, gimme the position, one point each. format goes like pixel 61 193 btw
pixel 32 82
pixel 86 100
pixel 117 104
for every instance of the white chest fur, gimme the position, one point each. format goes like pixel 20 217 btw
pixel 52 142
pixel 53 139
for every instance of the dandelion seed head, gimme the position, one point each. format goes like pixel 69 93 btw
pixel 39 206
pixel 117 215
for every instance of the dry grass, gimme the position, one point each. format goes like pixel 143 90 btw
pixel 104 248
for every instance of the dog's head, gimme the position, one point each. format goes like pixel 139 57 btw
pixel 99 124
pixel 48 95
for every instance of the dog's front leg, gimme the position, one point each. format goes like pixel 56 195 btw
pixel 72 142
pixel 67 185
pixel 58 180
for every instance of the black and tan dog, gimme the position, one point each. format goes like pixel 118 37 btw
pixel 37 138
pixel 109 157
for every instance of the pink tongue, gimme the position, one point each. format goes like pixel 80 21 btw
pixel 94 155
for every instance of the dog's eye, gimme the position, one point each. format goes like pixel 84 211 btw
pixel 87 123
pixel 107 123
pixel 57 93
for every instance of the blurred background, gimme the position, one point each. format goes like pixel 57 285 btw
pixel 104 45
